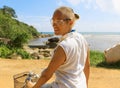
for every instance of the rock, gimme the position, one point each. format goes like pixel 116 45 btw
pixel 45 35
pixel 46 55
pixel 39 46
pixel 35 55
pixel 112 54
pixel 28 49
pixel 40 57
pixel 45 52
pixel 53 39
pixel 15 56
pixel 52 44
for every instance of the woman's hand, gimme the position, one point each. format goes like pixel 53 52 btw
pixel 30 84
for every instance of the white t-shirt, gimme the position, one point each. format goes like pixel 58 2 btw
pixel 70 74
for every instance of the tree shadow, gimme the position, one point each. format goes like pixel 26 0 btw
pixel 110 66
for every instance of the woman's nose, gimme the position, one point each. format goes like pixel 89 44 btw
pixel 54 24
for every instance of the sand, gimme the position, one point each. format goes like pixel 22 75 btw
pixel 99 77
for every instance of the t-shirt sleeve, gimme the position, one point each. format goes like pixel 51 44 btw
pixel 68 48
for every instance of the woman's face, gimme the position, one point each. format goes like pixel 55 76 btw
pixel 60 23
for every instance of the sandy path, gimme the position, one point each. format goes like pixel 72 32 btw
pixel 99 77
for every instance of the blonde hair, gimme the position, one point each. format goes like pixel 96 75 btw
pixel 68 12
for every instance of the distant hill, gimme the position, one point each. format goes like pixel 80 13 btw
pixel 11 28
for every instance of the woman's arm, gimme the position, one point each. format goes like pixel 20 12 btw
pixel 87 66
pixel 58 59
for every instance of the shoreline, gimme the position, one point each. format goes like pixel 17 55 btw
pixel 102 42
pixel 97 42
pixel 86 33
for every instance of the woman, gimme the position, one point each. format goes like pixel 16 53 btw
pixel 70 61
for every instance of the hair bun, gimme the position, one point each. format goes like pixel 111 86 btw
pixel 76 16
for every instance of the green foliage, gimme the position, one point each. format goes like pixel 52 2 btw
pixel 23 53
pixel 10 28
pixel 17 32
pixel 8 11
pixel 96 57
pixel 4 51
pixel 20 40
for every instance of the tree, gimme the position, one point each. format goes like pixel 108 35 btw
pixel 20 40
pixel 8 11
pixel 18 32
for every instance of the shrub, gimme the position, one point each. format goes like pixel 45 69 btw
pixel 23 53
pixel 4 51
pixel 96 57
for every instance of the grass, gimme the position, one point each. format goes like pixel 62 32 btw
pixel 97 59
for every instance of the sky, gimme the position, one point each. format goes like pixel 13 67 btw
pixel 95 15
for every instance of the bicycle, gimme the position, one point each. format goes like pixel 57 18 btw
pixel 21 79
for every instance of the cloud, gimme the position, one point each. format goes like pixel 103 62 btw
pixel 60 3
pixel 116 5
pixel 42 24
pixel 74 2
pixel 102 5
pixel 97 26
pixel 105 6
pixel 111 6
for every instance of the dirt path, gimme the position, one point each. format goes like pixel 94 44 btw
pixel 99 77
